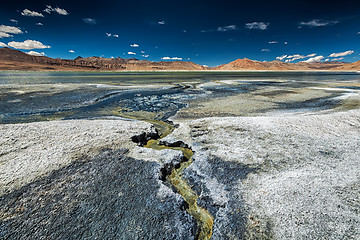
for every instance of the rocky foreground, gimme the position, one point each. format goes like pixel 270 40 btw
pixel 279 177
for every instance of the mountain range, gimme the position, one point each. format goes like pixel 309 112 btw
pixel 11 59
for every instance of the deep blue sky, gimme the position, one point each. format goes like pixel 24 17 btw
pixel 206 32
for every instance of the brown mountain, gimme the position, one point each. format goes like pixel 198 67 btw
pixel 250 65
pixel 11 59
pixel 350 66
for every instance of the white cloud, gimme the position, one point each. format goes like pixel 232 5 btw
pixel 48 9
pixel 338 59
pixel 265 50
pixel 142 51
pixel 134 45
pixel 205 65
pixel 295 57
pixel 61 11
pixel 2 44
pixel 3 34
pixel 314 59
pixel 341 54
pixel 285 43
pixel 10 29
pixel 89 20
pixel 281 57
pixel 33 53
pixel 317 23
pixel 71 51
pixel 326 60
pixel 114 35
pixel 226 28
pixel 28 45
pixel 291 58
pixel 39 24
pixel 162 22
pixel 171 58
pixel 145 55
pixel 29 13
pixel 131 53
pixel 13 20
pixel 58 10
pixel 358 33
pixel 257 25
pixel 6 31
pixel 273 42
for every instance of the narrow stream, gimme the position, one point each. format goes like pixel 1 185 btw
pixel 203 218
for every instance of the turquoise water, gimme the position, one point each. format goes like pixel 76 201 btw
pixel 22 77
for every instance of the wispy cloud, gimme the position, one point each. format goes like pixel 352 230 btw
pixel 28 45
pixel 71 51
pixel 341 54
pixel 265 50
pixel 171 58
pixel 314 59
pixel 162 22
pixel 317 23
pixel 29 13
pixel 131 53
pixel 39 24
pixel 4 34
pixel 273 42
pixel 145 55
pixel 294 57
pixel 89 20
pixel 257 25
pixel 6 31
pixel 2 44
pixel 226 28
pixel 338 59
pixel 281 57
pixel 13 20
pixel 33 53
pixel 58 10
pixel 134 45
pixel 113 35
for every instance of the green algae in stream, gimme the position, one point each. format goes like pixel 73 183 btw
pixel 204 219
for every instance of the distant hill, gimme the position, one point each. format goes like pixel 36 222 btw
pixel 350 66
pixel 247 64
pixel 11 59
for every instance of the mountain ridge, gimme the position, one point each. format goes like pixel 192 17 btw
pixel 11 59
